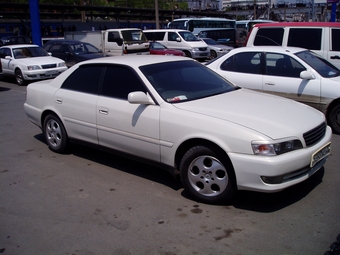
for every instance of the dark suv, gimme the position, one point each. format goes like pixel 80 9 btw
pixel 15 39
pixel 72 51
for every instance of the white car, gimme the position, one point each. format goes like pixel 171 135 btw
pixel 216 50
pixel 294 73
pixel 177 113
pixel 29 62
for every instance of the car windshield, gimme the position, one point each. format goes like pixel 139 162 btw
pixel 210 41
pixel 29 52
pixel 156 45
pixel 322 66
pixel 84 48
pixel 134 36
pixel 178 81
pixel 189 37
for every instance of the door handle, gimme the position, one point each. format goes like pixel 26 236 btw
pixel 269 84
pixel 335 57
pixel 104 111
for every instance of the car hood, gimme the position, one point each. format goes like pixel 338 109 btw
pixel 273 116
pixel 39 60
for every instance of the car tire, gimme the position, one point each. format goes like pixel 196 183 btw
pixel 208 175
pixel 19 77
pixel 55 134
pixel 187 53
pixel 213 54
pixel 334 119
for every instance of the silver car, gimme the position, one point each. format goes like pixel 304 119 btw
pixel 216 49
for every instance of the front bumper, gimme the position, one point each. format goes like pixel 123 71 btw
pixel 272 174
pixel 43 73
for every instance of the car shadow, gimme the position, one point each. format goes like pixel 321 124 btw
pixel 245 200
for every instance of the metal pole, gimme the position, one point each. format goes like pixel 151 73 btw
pixel 156 14
pixel 35 22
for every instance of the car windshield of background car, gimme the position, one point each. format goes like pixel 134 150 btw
pixel 29 52
pixel 189 37
pixel 322 66
pixel 178 81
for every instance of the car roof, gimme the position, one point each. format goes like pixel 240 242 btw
pixel 278 49
pixel 299 24
pixel 14 46
pixel 64 41
pixel 135 60
pixel 165 30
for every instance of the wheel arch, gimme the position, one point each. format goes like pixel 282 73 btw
pixel 186 145
pixel 334 103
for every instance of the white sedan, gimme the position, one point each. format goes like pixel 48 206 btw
pixel 29 62
pixel 294 73
pixel 177 113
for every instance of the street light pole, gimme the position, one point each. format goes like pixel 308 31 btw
pixel 156 14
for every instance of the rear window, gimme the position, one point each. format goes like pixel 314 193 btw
pixel 269 36
pixel 335 39
pixel 308 38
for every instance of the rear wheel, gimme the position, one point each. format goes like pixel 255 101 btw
pixel 207 175
pixel 19 77
pixel 334 119
pixel 55 134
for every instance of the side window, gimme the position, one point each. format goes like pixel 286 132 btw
pixel 55 48
pixel 172 36
pixel 85 79
pixel 309 38
pixel 113 36
pixel 282 65
pixel 155 36
pixel 269 36
pixel 119 81
pixel 5 52
pixel 335 39
pixel 246 62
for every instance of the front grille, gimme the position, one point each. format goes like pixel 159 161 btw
pixel 49 66
pixel 316 134
pixel 202 49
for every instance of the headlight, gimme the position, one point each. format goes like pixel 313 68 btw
pixel 61 64
pixel 33 68
pixel 272 149
pixel 196 49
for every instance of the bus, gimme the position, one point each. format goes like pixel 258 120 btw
pixel 196 25
pixel 243 28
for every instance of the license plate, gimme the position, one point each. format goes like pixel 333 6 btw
pixel 51 72
pixel 320 154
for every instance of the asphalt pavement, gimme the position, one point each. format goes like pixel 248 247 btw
pixel 89 202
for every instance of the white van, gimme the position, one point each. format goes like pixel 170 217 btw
pixel 182 40
pixel 322 38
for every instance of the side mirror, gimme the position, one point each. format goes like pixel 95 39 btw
pixel 178 39
pixel 306 75
pixel 139 97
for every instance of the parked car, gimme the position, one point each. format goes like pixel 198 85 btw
pixel 72 51
pixel 29 62
pixel 290 72
pixel 216 49
pixel 321 37
pixel 15 39
pixel 181 115
pixel 157 48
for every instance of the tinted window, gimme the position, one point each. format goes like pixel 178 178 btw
pixel 119 81
pixel 246 62
pixel 335 39
pixel 172 36
pixel 155 36
pixel 282 65
pixel 269 36
pixel 85 79
pixel 309 38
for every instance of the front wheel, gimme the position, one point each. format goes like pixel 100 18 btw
pixel 213 54
pixel 55 134
pixel 207 175
pixel 19 77
pixel 334 119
